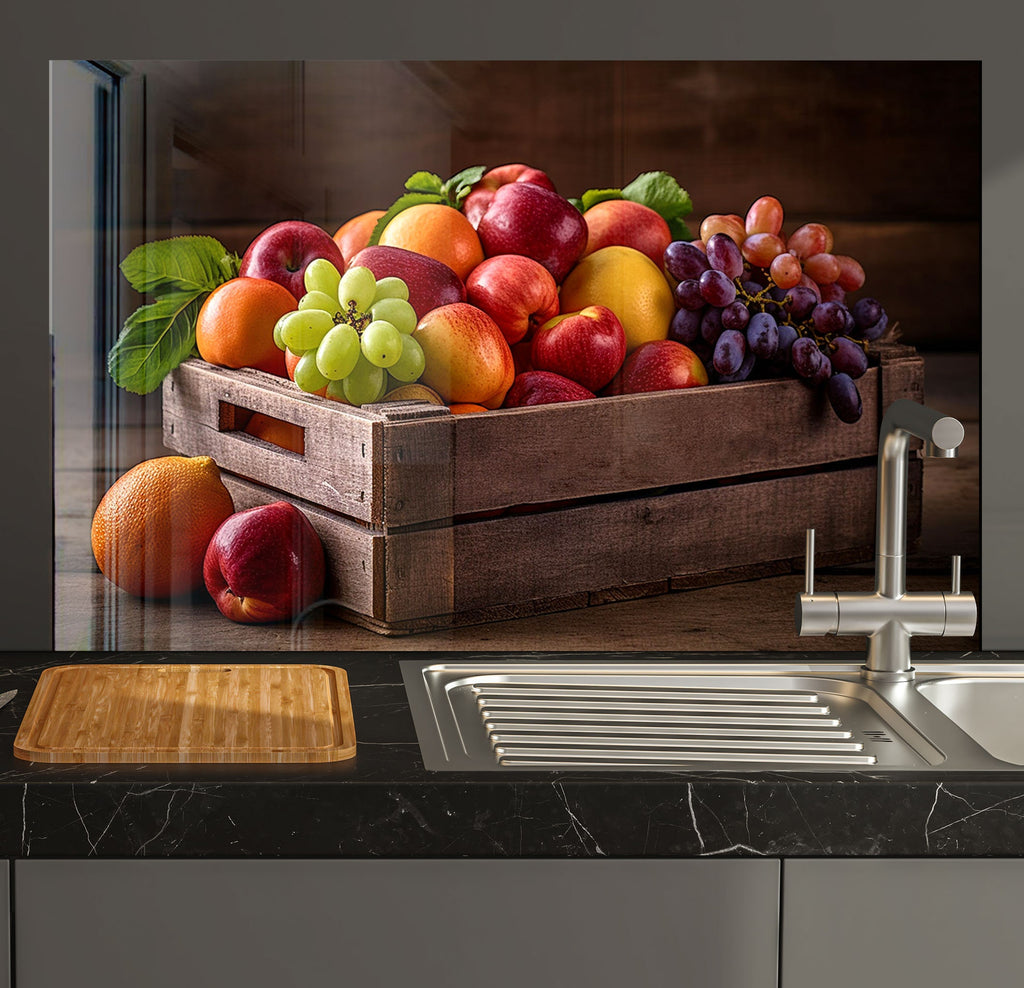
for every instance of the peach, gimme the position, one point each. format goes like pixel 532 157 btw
pixel 467 357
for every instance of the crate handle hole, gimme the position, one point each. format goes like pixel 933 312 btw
pixel 259 425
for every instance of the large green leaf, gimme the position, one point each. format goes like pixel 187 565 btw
pixel 661 192
pixel 155 339
pixel 180 264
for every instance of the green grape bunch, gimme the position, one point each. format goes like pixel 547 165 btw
pixel 351 333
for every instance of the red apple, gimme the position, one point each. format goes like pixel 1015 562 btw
pixel 587 347
pixel 431 283
pixel 476 203
pixel 522 356
pixel 517 292
pixel 264 564
pixel 282 252
pixel 543 388
pixel 524 218
pixel 627 224
pixel 659 365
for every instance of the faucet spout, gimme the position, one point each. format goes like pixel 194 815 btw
pixel 941 435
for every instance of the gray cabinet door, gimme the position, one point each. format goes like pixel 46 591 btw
pixel 884 921
pixel 397 923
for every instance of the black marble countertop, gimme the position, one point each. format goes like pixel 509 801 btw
pixel 383 803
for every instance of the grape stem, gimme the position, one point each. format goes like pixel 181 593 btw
pixel 358 321
pixel 762 299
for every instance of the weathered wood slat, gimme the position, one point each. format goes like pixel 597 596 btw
pixel 415 470
pixel 411 468
pixel 336 468
pixel 530 563
pixel 633 541
pixel 639 442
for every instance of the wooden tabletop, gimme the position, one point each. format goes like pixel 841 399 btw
pixel 91 614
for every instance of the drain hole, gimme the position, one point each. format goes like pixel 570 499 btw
pixel 879 736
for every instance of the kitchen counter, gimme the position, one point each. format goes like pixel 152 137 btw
pixel 383 803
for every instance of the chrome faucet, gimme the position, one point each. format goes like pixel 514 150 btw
pixel 889 616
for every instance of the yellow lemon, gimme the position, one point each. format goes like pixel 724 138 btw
pixel 627 282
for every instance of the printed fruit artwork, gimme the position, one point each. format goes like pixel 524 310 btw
pixel 467 358
pixel 151 528
pixel 413 293
pixel 627 224
pixel 283 251
pixel 628 283
pixel 235 326
pixel 437 231
pixel 487 290
pixel 350 337
pixel 264 564
pixel 753 302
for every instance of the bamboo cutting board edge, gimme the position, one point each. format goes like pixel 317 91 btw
pixel 27 747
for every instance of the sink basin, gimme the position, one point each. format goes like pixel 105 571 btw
pixel 587 714
pixel 990 710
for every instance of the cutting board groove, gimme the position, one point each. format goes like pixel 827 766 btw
pixel 210 712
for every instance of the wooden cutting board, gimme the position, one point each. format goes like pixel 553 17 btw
pixel 188 713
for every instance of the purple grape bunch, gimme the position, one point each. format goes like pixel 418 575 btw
pixel 742 325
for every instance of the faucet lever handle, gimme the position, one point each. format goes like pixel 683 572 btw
pixel 956 574
pixel 809 563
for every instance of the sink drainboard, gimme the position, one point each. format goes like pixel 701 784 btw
pixel 507 716
pixel 564 725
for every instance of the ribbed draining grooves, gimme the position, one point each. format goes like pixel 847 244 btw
pixel 597 726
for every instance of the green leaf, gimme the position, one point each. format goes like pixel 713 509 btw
pixel 661 192
pixel 465 179
pixel 424 182
pixel 593 196
pixel 678 229
pixel 155 339
pixel 403 202
pixel 230 264
pixel 460 196
pixel 180 264
pixel 578 203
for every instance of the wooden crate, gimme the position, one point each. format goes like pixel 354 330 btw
pixel 433 520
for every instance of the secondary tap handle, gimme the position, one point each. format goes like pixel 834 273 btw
pixel 956 574
pixel 809 563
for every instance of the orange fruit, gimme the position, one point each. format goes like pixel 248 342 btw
pixel 151 528
pixel 627 282
pixel 354 234
pixel 465 408
pixel 436 231
pixel 235 326
pixel 280 433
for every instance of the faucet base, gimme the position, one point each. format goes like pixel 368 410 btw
pixel 887 676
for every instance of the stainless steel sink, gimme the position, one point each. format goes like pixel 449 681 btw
pixel 530 714
pixel 990 710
